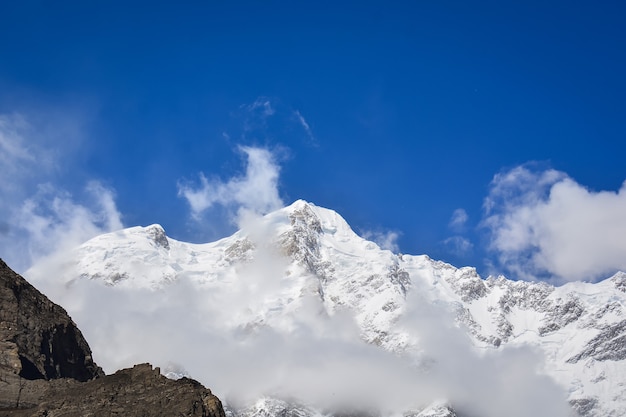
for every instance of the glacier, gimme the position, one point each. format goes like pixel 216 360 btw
pixel 296 315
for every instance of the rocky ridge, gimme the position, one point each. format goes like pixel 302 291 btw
pixel 38 339
pixel 46 368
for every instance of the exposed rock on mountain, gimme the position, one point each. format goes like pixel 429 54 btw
pixel 610 344
pixel 38 339
pixel 46 368
pixel 138 391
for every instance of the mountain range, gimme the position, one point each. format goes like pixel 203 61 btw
pixel 297 315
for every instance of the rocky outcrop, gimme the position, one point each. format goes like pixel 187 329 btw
pixel 610 344
pixel 46 368
pixel 137 391
pixel 38 339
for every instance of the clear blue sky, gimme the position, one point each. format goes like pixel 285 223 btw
pixel 395 114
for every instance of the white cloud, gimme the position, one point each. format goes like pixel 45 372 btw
pixel 255 191
pixel 268 120
pixel 52 222
pixel 458 219
pixel 492 383
pixel 458 245
pixel 300 351
pixel 22 156
pixel 305 125
pixel 542 222
pixel 302 121
pixel 385 239
pixel 11 141
pixel 262 105
pixel 37 217
pixel 254 118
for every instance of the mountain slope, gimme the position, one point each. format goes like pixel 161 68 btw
pixel 38 338
pixel 298 286
pixel 46 367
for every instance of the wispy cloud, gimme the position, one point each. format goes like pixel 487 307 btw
pixel 256 190
pixel 268 120
pixel 11 140
pixel 53 222
pixel 22 156
pixel 263 105
pixel 255 118
pixel 458 220
pixel 458 245
pixel 37 217
pixel 543 223
pixel 306 127
pixel 385 239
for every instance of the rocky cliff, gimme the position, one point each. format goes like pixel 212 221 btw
pixel 46 368
pixel 137 391
pixel 38 339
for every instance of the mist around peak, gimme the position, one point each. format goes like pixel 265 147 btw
pixel 268 321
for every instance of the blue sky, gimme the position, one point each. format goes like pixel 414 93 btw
pixel 490 134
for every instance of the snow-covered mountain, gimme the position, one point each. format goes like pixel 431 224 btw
pixel 297 315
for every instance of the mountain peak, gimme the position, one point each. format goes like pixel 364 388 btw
pixel 299 205
pixel 157 233
pixel 329 221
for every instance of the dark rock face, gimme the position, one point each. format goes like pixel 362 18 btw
pixel 584 406
pixel 563 313
pixel 46 368
pixel 37 337
pixel 158 235
pixel 610 344
pixel 138 391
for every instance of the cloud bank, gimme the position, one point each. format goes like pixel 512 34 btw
pixel 302 352
pixel 542 224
